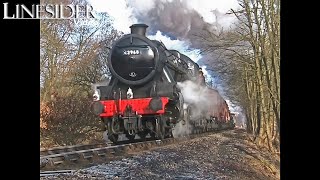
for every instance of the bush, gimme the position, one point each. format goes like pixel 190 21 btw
pixel 68 120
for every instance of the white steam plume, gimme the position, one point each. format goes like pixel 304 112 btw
pixel 184 48
pixel 121 14
pixel 208 77
pixel 204 102
pixel 181 130
pixel 201 98
pixel 181 46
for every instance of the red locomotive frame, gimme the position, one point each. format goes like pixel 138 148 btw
pixel 140 106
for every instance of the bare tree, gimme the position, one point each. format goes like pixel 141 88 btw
pixel 248 61
pixel 72 56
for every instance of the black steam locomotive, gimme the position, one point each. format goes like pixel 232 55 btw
pixel 142 96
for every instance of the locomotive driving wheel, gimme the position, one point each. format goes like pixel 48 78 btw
pixel 168 133
pixel 113 127
pixel 160 127
pixel 113 137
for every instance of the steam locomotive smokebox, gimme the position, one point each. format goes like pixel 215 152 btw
pixel 139 29
pixel 134 58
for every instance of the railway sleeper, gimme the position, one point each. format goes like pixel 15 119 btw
pixel 56 160
pixel 72 158
pixel 128 148
pixel 87 155
pixel 101 152
pixel 118 150
pixel 111 152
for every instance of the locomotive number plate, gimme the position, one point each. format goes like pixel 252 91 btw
pixel 131 52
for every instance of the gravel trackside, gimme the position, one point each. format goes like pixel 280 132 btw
pixel 224 155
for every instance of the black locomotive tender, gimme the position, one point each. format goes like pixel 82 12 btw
pixel 142 96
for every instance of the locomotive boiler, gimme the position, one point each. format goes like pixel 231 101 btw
pixel 142 96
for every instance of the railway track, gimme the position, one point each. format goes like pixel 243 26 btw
pixel 74 154
pixel 54 173
pixel 51 159
pixel 64 149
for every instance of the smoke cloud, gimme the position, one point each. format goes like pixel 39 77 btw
pixel 183 17
pixel 181 130
pixel 177 19
pixel 201 98
pixel 204 102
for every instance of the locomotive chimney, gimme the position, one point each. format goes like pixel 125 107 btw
pixel 139 29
